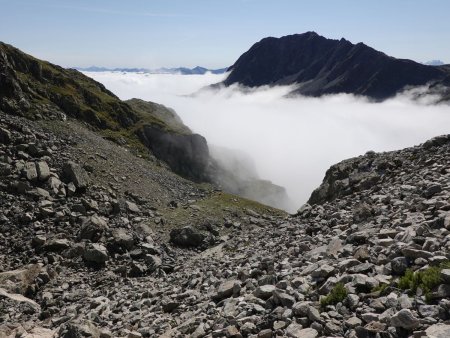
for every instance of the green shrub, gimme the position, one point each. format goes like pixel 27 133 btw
pixel 380 288
pixel 426 280
pixel 336 295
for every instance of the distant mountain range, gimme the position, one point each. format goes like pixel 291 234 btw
pixel 180 70
pixel 434 63
pixel 319 66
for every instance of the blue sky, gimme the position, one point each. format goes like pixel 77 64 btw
pixel 213 33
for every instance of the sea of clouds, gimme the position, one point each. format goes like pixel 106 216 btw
pixel 292 141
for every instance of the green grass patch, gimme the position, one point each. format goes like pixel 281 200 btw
pixel 380 288
pixel 336 295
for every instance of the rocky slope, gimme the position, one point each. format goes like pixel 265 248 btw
pixel 97 242
pixel 318 66
pixel 39 90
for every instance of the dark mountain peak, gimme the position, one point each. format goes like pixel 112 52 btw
pixel 326 66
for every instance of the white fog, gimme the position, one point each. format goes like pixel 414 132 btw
pixel 291 141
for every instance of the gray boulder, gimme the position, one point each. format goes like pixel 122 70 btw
pixel 95 253
pixel 405 319
pixel 228 289
pixel 187 237
pixel 5 136
pixel 43 170
pixel 76 174
pixel 438 331
pixel 30 172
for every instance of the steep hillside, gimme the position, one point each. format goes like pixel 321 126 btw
pixel 96 242
pixel 319 66
pixel 39 90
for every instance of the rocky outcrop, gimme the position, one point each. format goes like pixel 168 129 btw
pixel 368 171
pixel 318 66
pixel 187 155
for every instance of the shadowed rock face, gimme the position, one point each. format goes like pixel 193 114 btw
pixel 325 66
pixel 186 154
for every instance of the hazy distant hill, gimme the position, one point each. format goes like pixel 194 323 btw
pixel 325 66
pixel 434 63
pixel 180 70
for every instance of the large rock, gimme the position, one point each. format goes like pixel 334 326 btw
pixel 121 241
pixel 15 297
pixel 30 172
pixel 264 291
pixel 95 253
pixel 405 319
pixel 438 331
pixel 92 228
pixel 20 331
pixel 76 174
pixel 187 237
pixel 445 276
pixel 43 170
pixel 284 299
pixel 228 289
pixel 5 136
pixel 20 280
pixel 57 245
pixel 399 265
pixel 297 331
pixel 79 329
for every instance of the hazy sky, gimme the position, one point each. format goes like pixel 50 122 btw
pixel 214 33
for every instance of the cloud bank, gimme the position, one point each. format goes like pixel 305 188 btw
pixel 292 141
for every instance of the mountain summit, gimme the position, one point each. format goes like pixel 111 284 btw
pixel 324 66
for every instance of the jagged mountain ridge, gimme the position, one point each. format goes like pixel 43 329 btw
pixel 320 66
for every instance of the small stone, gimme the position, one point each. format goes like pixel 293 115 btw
pixel 132 207
pixel 283 298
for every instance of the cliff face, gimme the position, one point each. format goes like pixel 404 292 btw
pixel 319 66
pixel 186 154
